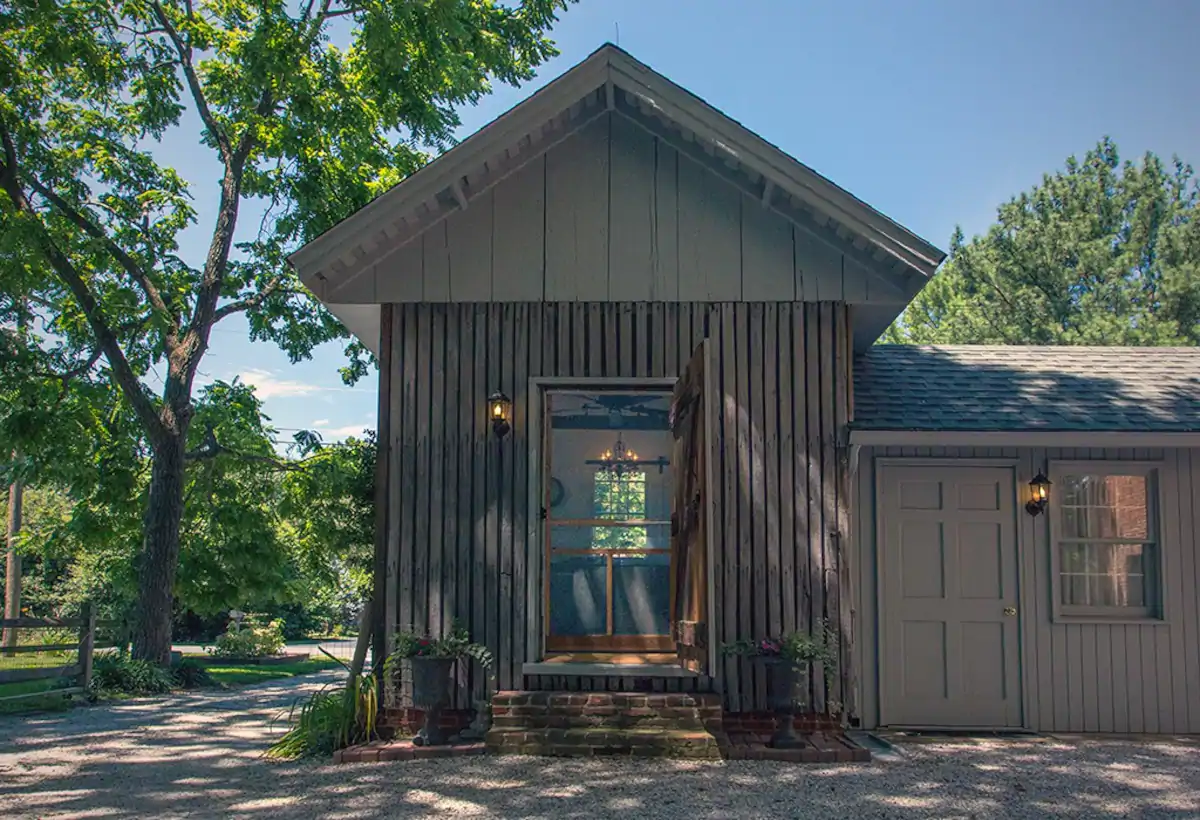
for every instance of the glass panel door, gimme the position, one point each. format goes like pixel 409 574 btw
pixel 608 511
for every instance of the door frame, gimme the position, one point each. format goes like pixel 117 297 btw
pixel 535 638
pixel 1024 610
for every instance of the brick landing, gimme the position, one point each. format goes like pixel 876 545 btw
pixel 384 750
pixel 628 724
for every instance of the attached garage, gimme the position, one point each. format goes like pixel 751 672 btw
pixel 975 612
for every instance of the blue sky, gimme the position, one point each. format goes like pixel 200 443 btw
pixel 932 111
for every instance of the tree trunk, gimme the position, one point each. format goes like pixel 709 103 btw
pixel 160 551
pixel 12 564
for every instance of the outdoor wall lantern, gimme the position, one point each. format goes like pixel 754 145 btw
pixel 500 412
pixel 1039 494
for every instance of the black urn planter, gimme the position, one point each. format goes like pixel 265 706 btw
pixel 431 693
pixel 788 685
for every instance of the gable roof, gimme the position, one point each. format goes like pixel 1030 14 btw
pixel 611 80
pixel 1024 389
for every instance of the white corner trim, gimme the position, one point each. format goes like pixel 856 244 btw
pixel 1021 438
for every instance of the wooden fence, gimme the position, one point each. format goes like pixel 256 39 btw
pixel 78 673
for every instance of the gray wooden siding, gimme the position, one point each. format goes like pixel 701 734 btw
pixel 614 213
pixel 459 540
pixel 1076 677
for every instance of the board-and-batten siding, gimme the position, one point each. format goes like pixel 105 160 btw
pixel 460 539
pixel 1076 677
pixel 614 213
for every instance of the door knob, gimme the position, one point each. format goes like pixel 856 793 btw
pixel 1010 611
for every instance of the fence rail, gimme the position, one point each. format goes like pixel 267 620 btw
pixel 78 674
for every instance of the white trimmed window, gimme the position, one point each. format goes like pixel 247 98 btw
pixel 1106 550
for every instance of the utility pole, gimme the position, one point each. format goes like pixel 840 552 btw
pixel 12 565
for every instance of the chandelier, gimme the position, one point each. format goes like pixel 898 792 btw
pixel 620 459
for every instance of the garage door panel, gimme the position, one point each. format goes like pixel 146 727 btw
pixel 948 597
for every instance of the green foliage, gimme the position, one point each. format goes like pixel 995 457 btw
pixel 95 297
pixel 190 674
pixel 331 719
pixel 455 644
pixel 117 673
pixel 1101 253
pixel 250 639
pixel 794 647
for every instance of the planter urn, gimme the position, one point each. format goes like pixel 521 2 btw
pixel 788 684
pixel 431 693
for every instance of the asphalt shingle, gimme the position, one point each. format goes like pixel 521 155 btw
pixel 910 387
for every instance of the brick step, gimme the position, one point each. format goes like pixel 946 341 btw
pixel 690 745
pixel 681 720
pixel 535 711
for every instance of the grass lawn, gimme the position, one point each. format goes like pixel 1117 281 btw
pixel 232 675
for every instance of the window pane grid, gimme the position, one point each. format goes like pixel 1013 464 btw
pixel 1106 553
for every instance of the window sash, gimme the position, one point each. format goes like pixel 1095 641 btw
pixel 1150 578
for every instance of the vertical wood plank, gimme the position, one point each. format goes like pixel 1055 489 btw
pixel 813 486
pixel 731 572
pixel 437 467
pixel 494 467
pixel 1087 636
pixel 828 487
pixel 540 330
pixel 469 246
pixel 511 320
pixel 745 509
pixel 847 671
pixel 756 479
pixel 404 461
pixel 518 235
pixel 470 415
pixel 481 615
pixel 631 268
pixel 658 340
pixel 435 253
pixel 771 439
pixel 768 260
pixel 691 226
pixel 786 447
pixel 800 465
pixel 385 480
pixel 664 284
pixel 420 558
pixel 577 226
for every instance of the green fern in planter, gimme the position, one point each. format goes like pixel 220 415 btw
pixel 454 645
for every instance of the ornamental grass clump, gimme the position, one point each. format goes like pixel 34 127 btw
pixel 330 719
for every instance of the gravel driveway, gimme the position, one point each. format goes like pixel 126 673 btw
pixel 200 756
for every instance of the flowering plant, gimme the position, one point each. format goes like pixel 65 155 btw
pixel 794 647
pixel 455 644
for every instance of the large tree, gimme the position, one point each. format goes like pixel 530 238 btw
pixel 1100 253
pixel 90 219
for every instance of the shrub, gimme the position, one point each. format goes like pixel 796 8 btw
pixel 191 675
pixel 249 639
pixel 116 672
pixel 330 719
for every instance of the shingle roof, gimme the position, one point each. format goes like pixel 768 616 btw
pixel 1009 388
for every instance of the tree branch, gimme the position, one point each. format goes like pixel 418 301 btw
pixel 211 448
pixel 249 302
pixel 106 340
pixel 153 296
pixel 193 81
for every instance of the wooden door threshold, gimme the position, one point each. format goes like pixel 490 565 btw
pixel 609 664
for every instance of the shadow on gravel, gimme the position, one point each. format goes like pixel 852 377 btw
pixel 200 756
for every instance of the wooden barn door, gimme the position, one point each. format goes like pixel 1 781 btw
pixel 690 513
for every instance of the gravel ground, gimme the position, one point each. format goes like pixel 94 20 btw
pixel 200 756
